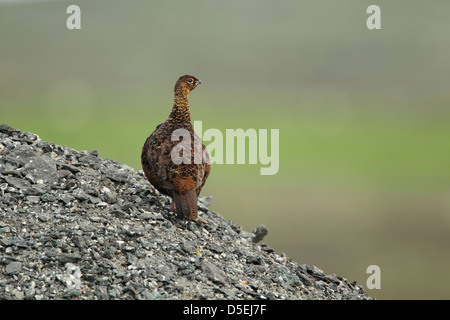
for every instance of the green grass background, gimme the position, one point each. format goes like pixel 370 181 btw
pixel 363 115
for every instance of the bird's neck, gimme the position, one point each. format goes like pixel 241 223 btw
pixel 180 112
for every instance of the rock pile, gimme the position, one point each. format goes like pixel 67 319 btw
pixel 75 226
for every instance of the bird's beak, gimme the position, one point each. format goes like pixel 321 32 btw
pixel 199 82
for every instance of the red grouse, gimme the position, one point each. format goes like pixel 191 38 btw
pixel 177 172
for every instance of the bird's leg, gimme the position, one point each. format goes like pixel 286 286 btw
pixel 172 207
pixel 194 217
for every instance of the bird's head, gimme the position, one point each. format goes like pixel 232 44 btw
pixel 186 84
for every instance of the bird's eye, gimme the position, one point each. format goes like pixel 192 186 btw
pixel 190 80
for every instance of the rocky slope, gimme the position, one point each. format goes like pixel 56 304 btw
pixel 75 226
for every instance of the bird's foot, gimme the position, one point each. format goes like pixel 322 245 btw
pixel 200 219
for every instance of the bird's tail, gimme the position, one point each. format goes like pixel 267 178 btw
pixel 186 205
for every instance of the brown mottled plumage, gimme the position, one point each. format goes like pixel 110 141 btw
pixel 183 182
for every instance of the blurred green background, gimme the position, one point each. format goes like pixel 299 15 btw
pixel 363 115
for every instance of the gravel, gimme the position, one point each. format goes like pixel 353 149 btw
pixel 75 226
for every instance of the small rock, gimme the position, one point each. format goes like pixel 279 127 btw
pixel 13 267
pixel 80 194
pixel 213 273
pixel 7 242
pixel 257 260
pixel 69 258
pixel 101 204
pixel 94 153
pixel 17 182
pixel 115 176
pixel 4 128
pixel 43 218
pixel 62 166
pixel 21 155
pixel 66 198
pixel 260 232
pixel 33 199
pixel 102 293
pixel 47 197
pixel 36 189
pixel 216 248
pixel 18 294
pixel 86 227
pixel 118 213
pixel 41 168
pixel 267 249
